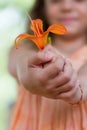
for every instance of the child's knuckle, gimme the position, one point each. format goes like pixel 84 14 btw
pixel 71 85
pixel 68 95
pixel 40 78
pixel 67 77
pixel 49 88
pixel 57 67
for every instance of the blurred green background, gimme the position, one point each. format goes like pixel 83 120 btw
pixel 13 19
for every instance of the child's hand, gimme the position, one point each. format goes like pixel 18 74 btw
pixel 48 74
pixel 66 84
pixel 35 75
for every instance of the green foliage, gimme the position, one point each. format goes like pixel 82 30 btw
pixel 24 4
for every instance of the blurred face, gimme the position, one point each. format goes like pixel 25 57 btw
pixel 71 13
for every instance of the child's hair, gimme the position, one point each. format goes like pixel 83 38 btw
pixel 38 12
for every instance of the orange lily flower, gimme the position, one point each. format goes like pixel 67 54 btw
pixel 40 37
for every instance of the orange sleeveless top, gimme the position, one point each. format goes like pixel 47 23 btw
pixel 33 112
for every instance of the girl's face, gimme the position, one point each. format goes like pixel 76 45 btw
pixel 71 13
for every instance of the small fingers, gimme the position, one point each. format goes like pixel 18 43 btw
pixel 53 68
pixel 70 94
pixel 40 57
pixel 68 86
pixel 65 76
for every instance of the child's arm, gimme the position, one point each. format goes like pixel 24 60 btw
pixel 79 61
pixel 17 54
pixel 45 73
pixel 24 65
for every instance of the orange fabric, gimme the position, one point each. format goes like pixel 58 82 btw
pixel 33 112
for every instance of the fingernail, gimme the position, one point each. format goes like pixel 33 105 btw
pixel 48 55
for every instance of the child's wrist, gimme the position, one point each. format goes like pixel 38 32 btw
pixel 80 97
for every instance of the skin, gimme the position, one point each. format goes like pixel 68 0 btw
pixel 48 72
pixel 38 72
pixel 71 13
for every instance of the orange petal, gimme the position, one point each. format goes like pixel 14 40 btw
pixel 39 42
pixel 37 27
pixel 57 29
pixel 21 37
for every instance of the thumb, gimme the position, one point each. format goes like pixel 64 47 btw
pixel 42 57
pixel 54 50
